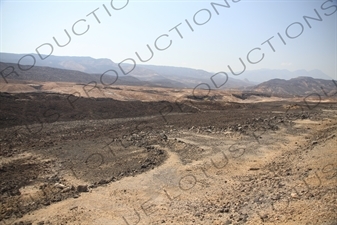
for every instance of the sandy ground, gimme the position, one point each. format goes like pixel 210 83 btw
pixel 254 163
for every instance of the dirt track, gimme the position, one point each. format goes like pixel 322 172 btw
pixel 201 162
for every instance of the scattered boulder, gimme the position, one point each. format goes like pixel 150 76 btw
pixel 82 188
pixel 61 186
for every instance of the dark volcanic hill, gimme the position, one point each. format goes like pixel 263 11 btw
pixel 300 86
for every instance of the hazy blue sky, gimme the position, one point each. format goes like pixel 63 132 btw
pixel 26 25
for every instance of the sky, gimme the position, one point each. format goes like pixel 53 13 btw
pixel 214 37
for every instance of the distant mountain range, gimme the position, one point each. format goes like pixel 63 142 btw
pixel 163 76
pixel 262 75
pixel 87 69
pixel 49 74
pixel 301 86
pixel 167 76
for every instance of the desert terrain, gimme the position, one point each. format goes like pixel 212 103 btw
pixel 75 154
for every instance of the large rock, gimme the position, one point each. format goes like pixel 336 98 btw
pixel 82 188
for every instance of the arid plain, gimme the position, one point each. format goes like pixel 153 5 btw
pixel 151 155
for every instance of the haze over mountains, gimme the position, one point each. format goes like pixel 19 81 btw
pixel 50 74
pixel 164 76
pixel 86 69
pixel 263 75
pixel 184 76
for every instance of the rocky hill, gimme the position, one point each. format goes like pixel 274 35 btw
pixel 300 86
